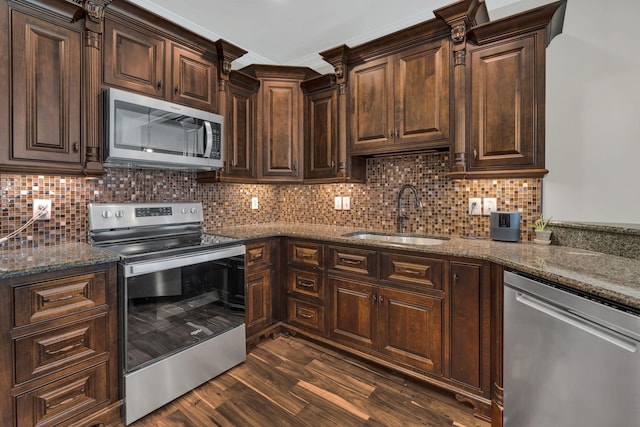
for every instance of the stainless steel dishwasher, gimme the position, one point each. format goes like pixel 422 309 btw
pixel 569 359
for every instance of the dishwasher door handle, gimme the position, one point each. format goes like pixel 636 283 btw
pixel 578 322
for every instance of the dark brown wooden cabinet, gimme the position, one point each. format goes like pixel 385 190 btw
pixel 133 60
pixel 321 132
pixel 280 121
pixel 470 325
pixel 240 130
pixel 60 348
pixel 45 100
pixel 260 266
pixel 507 100
pixel 152 57
pixel 353 319
pixel 401 102
pixel 194 78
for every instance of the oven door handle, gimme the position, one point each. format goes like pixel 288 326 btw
pixel 161 264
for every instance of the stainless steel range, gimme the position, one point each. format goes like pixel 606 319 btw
pixel 181 296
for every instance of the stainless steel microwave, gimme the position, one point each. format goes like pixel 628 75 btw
pixel 146 132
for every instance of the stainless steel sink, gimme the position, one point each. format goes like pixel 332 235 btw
pixel 399 239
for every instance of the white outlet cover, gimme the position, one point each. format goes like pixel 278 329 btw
pixel 36 208
pixel 346 203
pixel 254 203
pixel 337 203
pixel 475 206
pixel 489 204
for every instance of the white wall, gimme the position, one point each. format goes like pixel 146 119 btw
pixel 593 112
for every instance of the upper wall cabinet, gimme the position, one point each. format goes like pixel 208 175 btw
pixel 41 81
pixel 503 134
pixel 147 55
pixel 401 102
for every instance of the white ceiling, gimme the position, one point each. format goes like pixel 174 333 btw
pixel 292 32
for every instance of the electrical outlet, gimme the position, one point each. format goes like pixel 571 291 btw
pixel 489 204
pixel 37 203
pixel 254 203
pixel 346 203
pixel 337 203
pixel 475 206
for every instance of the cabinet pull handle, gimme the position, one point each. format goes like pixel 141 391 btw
pixel 305 283
pixel 455 278
pixel 374 298
pixel 390 134
pixel 305 316
pixel 333 164
pixel 257 255
pixel 75 147
pixel 65 349
pixel 475 153
pixel 66 401
pixel 397 134
pixel 177 90
pixel 293 167
pixel 64 298
pixel 409 271
pixel 350 261
pixel 381 299
pixel 159 85
pixel 303 254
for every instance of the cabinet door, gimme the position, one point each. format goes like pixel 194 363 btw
pixel 281 134
pixel 372 105
pixel 46 96
pixel 506 92
pixel 410 328
pixel 133 60
pixel 422 94
pixel 194 79
pixel 321 134
pixel 258 301
pixel 467 327
pixel 353 313
pixel 240 132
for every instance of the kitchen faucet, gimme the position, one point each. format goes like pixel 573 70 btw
pixel 401 217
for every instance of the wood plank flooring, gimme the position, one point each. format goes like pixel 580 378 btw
pixel 288 381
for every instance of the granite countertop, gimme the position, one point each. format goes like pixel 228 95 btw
pixel 607 276
pixel 20 262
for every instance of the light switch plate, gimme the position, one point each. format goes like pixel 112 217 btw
pixel 475 206
pixel 346 203
pixel 337 203
pixel 489 204
pixel 254 203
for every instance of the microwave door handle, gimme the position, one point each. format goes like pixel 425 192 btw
pixel 209 135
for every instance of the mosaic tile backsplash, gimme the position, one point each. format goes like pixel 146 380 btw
pixel 373 204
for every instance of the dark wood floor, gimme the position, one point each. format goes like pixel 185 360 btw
pixel 291 382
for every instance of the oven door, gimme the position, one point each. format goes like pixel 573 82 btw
pixel 172 304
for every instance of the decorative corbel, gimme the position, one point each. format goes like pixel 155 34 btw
pixel 227 53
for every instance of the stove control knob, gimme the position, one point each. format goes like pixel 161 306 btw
pixel 184 211
pixel 107 214
pixel 194 210
pixel 119 213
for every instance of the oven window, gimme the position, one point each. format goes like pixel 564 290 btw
pixel 170 310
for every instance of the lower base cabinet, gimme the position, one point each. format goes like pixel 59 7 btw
pixel 59 349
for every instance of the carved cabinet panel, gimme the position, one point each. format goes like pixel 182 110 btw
pixel 240 129
pixel 46 92
pixel 134 60
pixel 505 104
pixel 321 134
pixel 194 79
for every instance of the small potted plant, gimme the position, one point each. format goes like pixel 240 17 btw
pixel 543 234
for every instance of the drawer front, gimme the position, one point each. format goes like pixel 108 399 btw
pixel 48 300
pixel 41 354
pixel 422 272
pixel 258 255
pixel 306 253
pixel 306 315
pixel 304 282
pixel 58 401
pixel 355 261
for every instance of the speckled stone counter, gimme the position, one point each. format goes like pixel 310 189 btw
pixel 20 262
pixel 609 238
pixel 608 276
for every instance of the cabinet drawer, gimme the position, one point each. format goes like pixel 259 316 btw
pixel 421 272
pixel 307 283
pixel 48 300
pixel 258 255
pixel 306 315
pixel 43 353
pixel 306 253
pixel 350 260
pixel 58 401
